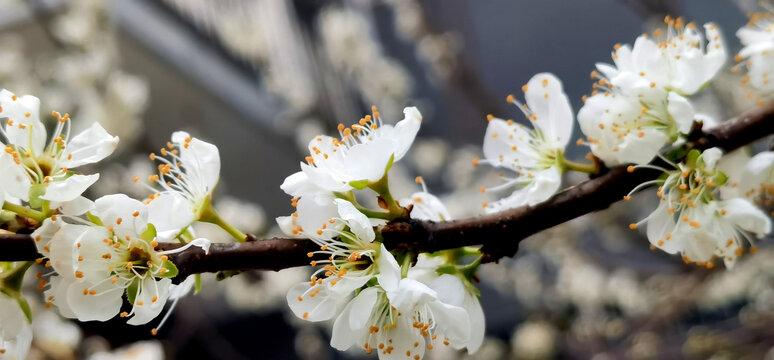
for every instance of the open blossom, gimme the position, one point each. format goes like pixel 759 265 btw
pixel 29 162
pixel 401 318
pixel 534 155
pixel 349 258
pixel 679 59
pixel 691 220
pixel 632 119
pixel 188 171
pixel 15 330
pixel 97 264
pixel 758 53
pixel 425 271
pixel 362 154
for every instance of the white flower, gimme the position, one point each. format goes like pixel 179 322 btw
pixel 350 259
pixel 632 119
pixel 692 221
pixel 362 155
pixel 189 170
pixel 425 206
pixel 96 265
pixel 142 350
pixel 757 181
pixel 758 52
pixel 425 272
pixel 535 156
pixel 401 318
pixel 48 165
pixel 15 330
pixel 681 60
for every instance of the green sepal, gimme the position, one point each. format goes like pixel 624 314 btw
pixel 359 184
pixel 676 154
pixel 720 178
pixel 171 270
pixel 446 269
pixel 25 307
pixel 197 283
pixel 131 291
pixel 389 164
pixel 693 159
pixel 149 234
pixel 94 219
pixel 36 191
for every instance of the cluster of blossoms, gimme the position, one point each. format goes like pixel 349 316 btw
pixel 105 256
pixel 639 109
pixel 98 254
pixel 397 304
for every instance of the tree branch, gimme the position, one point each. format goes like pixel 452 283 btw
pixel 499 233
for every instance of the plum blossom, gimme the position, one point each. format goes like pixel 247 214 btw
pixel 757 56
pixel 188 171
pixel 32 165
pixel 693 221
pixel 632 119
pixel 347 252
pixel 96 264
pixel 425 271
pixel 361 156
pixel 15 330
pixel 679 59
pixel 402 317
pixel 536 156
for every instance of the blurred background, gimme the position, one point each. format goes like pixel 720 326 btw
pixel 260 78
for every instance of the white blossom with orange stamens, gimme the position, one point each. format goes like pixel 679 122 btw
pixel 691 219
pixel 347 253
pixel 425 206
pixel 189 170
pixel 362 155
pixel 47 166
pixel 15 330
pixel 97 263
pixel 631 120
pixel 401 318
pixel 682 59
pixel 536 156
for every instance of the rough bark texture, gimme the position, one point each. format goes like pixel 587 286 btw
pixel 499 233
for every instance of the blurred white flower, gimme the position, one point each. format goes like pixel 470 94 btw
pixel 142 350
pixel 15 330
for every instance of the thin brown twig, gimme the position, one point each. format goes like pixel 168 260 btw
pixel 499 233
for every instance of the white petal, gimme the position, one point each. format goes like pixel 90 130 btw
pixel 358 223
pixel 477 322
pixel 449 288
pixel 544 185
pixel 70 188
pixel 88 147
pixel 406 130
pixel 110 208
pixel 699 245
pixel 170 211
pixel 681 111
pixel 76 207
pixel 711 157
pixel 184 288
pixel 14 180
pixel 743 214
pixel 369 161
pixel 389 270
pixel 661 224
pixel 17 108
pixel 410 295
pixel 343 335
pixel 150 309
pixel 362 305
pixel 102 306
pixel 451 321
pixel 546 98
pixel 12 319
pixel 58 295
pixel 299 184
pixel 200 158
pixel 314 212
